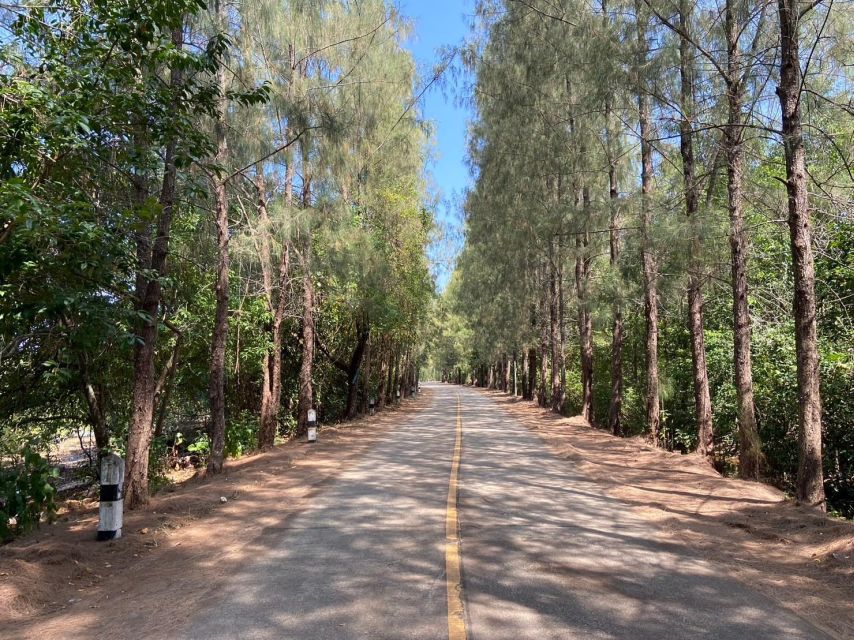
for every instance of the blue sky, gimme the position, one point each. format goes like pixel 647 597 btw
pixel 439 24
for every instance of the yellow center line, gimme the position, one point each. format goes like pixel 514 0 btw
pixel 456 614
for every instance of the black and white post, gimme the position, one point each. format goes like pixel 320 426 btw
pixel 371 404
pixel 112 500
pixel 312 425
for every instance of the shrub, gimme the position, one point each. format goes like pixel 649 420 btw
pixel 26 493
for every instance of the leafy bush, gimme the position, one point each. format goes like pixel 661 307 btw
pixel 241 435
pixel 201 446
pixel 26 493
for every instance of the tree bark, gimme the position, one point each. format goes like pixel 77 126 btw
pixel 305 400
pixel 142 394
pixel 532 373
pixel 366 379
pixel 383 377
pixel 556 345
pixel 585 318
pixel 650 267
pixel 615 407
pixel 542 398
pixel 216 390
pixel 271 389
pixel 810 480
pixel 702 396
pixel 353 372
pixel 750 446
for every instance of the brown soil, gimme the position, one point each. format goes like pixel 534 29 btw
pixel 802 559
pixel 174 553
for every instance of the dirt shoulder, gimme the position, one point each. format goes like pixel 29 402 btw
pixel 801 559
pixel 177 551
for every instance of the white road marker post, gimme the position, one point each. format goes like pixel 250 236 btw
pixel 112 499
pixel 312 425
pixel 371 403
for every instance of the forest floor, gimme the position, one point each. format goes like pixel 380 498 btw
pixel 802 559
pixel 59 580
pixel 176 553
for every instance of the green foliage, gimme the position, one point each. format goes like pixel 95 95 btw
pixel 241 435
pixel 27 493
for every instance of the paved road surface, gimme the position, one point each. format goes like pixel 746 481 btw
pixel 545 554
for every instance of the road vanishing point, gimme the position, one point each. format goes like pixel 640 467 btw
pixel 461 524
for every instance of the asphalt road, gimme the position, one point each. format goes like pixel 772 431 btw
pixel 545 555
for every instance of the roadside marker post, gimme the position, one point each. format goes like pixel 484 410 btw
pixel 112 500
pixel 371 405
pixel 312 425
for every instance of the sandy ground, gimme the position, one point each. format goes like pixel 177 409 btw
pixel 801 559
pixel 60 583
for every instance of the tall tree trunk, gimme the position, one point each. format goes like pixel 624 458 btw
pixel 383 376
pixel 142 394
pixel 750 446
pixel 542 397
pixel 650 266
pixel 353 369
pixel 271 390
pixel 366 379
pixel 561 323
pixel 585 319
pixel 810 480
pixel 554 323
pixel 305 400
pixel 95 406
pixel 216 390
pixel 615 407
pixel 532 373
pixel 163 390
pixel 395 379
pixel 702 397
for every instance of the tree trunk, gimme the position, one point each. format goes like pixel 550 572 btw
pixel 216 390
pixel 305 400
pixel 142 394
pixel 383 377
pixel 163 390
pixel 542 398
pixel 554 319
pixel 353 373
pixel 271 389
pixel 394 386
pixel 366 380
pixel 702 397
pixel 615 407
pixel 532 373
pixel 585 318
pixel 750 446
pixel 810 481
pixel 650 267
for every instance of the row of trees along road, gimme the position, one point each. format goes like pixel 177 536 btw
pixel 213 218
pixel 667 186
